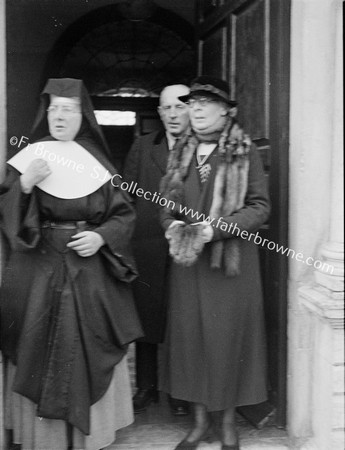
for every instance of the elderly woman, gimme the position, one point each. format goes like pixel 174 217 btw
pixel 214 355
pixel 66 305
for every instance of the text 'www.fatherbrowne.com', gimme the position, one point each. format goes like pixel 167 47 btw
pixel 222 224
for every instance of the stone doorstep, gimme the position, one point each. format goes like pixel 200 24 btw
pixel 166 437
pixel 264 444
pixel 157 429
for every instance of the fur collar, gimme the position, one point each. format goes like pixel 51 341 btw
pixel 230 185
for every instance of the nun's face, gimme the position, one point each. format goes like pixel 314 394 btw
pixel 64 117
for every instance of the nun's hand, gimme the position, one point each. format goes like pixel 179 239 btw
pixel 36 172
pixel 86 243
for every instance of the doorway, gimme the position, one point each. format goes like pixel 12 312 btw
pixel 126 62
pixel 120 135
pixel 125 57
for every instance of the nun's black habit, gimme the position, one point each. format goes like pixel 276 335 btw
pixel 66 320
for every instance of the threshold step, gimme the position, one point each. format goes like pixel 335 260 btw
pixel 167 436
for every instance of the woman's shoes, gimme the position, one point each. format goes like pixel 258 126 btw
pixel 235 446
pixel 192 445
pixel 231 447
pixel 143 398
pixel 230 434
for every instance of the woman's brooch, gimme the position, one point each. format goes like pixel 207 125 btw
pixel 204 171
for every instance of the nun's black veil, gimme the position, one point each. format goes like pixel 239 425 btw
pixel 90 135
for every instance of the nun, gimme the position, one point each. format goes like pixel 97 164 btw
pixel 67 312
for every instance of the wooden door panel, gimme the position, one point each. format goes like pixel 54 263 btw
pixel 249 67
pixel 213 54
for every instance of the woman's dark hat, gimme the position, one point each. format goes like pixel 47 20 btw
pixel 212 86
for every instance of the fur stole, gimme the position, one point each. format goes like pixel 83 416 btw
pixel 230 187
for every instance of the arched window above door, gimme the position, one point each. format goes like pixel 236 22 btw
pixel 130 58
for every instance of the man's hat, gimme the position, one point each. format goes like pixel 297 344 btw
pixel 214 87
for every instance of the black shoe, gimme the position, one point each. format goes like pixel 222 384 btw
pixel 207 436
pixel 143 398
pixel 178 407
pixel 231 447
pixel 235 446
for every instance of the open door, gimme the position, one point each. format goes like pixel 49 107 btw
pixel 246 42
pixel 121 137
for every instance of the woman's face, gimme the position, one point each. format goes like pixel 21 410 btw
pixel 207 114
pixel 64 117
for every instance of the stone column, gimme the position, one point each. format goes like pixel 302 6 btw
pixel 333 251
pixel 323 300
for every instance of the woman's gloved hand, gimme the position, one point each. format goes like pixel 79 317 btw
pixel 169 231
pixel 186 241
pixel 207 231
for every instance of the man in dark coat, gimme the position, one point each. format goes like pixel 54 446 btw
pixel 146 165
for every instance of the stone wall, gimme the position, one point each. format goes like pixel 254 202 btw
pixel 316 295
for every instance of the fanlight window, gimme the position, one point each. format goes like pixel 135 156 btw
pixel 130 59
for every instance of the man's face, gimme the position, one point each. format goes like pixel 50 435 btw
pixel 174 113
pixel 64 117
pixel 206 113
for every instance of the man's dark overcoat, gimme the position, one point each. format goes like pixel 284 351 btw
pixel 146 164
